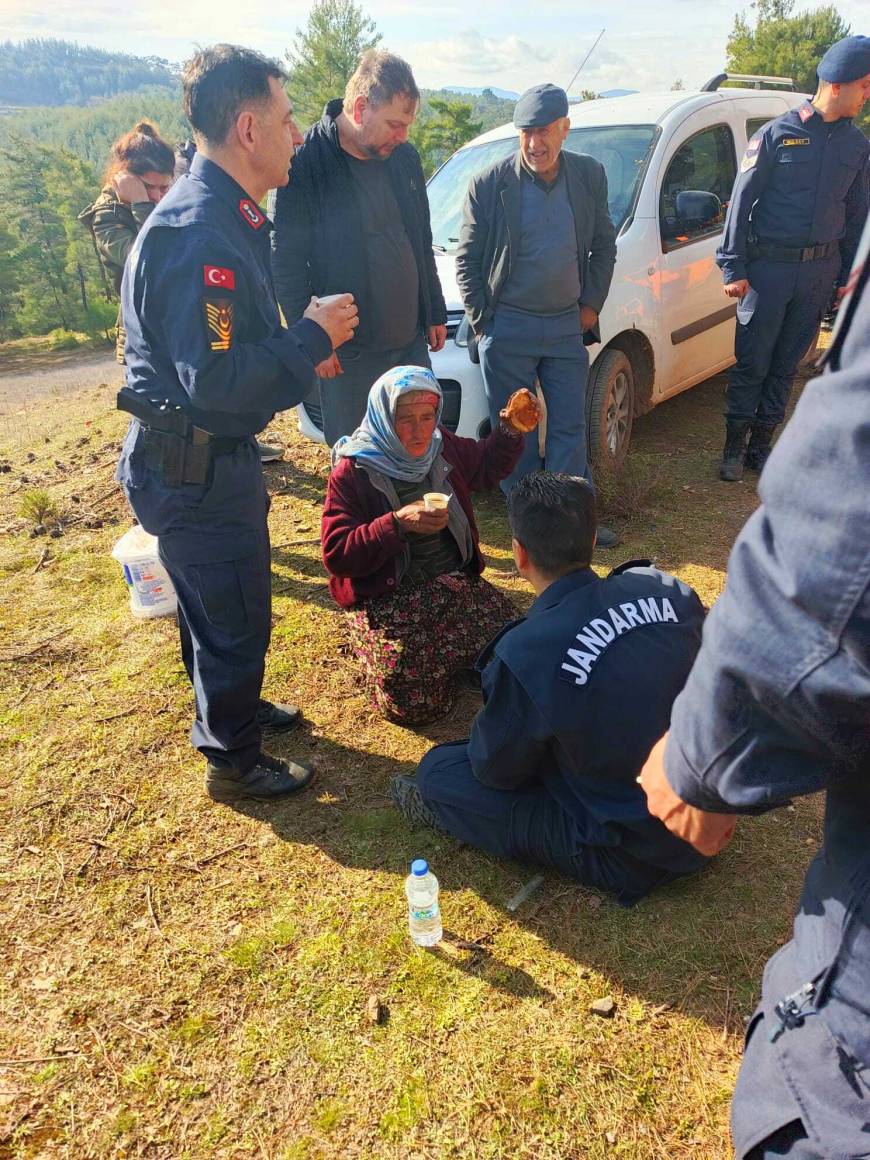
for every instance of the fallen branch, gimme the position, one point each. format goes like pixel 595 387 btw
pixel 214 857
pixel 152 912
pixel 114 716
pixel 31 651
pixel 37 1059
pixel 295 543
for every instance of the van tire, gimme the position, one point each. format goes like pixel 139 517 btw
pixel 610 409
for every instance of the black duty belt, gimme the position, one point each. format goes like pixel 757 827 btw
pixel 792 253
pixel 175 447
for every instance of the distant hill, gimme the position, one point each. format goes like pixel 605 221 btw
pixel 502 94
pixel 58 72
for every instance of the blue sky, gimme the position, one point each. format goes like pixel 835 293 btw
pixel 647 43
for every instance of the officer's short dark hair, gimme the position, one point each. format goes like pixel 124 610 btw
pixel 553 516
pixel 220 82
pixel 379 77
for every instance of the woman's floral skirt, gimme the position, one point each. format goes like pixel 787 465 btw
pixel 412 645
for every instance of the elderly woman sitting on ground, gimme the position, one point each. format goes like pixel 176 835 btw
pixel 406 571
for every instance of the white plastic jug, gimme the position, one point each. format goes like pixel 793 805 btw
pixel 151 590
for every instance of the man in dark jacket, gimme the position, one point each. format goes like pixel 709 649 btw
pixel 535 258
pixel 572 695
pixel 355 217
pixel 778 704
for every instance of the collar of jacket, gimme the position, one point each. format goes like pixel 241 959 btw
pixel 230 192
pixel 561 588
pixel 329 121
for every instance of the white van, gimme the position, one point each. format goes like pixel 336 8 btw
pixel 671 160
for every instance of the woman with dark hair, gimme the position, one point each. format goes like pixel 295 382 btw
pixel 408 572
pixel 140 171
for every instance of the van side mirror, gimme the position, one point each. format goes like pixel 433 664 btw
pixel 697 211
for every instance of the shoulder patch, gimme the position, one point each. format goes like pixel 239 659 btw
pixel 218 276
pixel 218 322
pixel 251 212
pixel 805 112
pixel 751 155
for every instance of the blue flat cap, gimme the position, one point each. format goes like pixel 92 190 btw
pixel 847 60
pixel 540 105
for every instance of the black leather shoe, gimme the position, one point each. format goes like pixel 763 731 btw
pixel 606 538
pixel 404 792
pixel 277 718
pixel 268 780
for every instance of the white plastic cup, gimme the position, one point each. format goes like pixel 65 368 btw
pixel 435 501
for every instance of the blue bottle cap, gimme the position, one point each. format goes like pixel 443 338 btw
pixel 419 867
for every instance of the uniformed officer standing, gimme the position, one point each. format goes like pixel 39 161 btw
pixel 208 364
pixel 778 704
pixel 572 695
pixel 795 217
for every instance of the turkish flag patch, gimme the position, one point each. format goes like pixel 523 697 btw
pixel 250 211
pixel 219 276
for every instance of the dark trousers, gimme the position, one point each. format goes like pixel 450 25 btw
pixel 343 399
pixel 776 322
pixel 526 825
pixel 515 349
pixel 214 543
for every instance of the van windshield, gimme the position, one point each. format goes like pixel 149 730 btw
pixel 621 149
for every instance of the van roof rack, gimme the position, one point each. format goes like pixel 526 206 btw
pixel 751 81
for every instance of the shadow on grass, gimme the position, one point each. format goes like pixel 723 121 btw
pixel 696 946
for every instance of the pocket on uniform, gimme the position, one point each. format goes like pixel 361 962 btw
pixel 746 307
pixel 221 590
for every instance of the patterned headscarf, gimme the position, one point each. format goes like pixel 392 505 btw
pixel 375 441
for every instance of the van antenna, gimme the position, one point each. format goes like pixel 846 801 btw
pixel 583 61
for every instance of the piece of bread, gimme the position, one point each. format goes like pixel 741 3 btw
pixel 521 411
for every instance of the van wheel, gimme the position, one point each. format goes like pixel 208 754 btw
pixel 610 409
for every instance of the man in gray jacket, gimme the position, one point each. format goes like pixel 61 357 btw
pixel 535 258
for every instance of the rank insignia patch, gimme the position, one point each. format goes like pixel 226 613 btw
pixel 219 320
pixel 250 211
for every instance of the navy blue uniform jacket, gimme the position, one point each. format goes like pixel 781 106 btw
pixel 802 182
pixel 577 694
pixel 778 704
pixel 203 328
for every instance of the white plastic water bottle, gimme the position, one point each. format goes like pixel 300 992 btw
pixel 424 913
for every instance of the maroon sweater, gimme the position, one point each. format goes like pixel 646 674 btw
pixel 362 547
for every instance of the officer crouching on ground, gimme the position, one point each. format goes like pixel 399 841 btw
pixel 573 694
pixel 778 704
pixel 208 364
pixel 794 220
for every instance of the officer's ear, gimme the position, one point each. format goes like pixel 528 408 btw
pixel 521 556
pixel 245 128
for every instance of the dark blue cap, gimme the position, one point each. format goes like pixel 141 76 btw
pixel 847 60
pixel 540 105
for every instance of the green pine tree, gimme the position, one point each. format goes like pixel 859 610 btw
pixel 784 45
pixel 443 126
pixel 325 55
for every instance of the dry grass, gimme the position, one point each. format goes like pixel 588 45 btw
pixel 185 980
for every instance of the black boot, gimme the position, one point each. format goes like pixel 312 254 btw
pixel 731 468
pixel 759 445
pixel 266 781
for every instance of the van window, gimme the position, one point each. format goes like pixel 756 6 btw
pixel 623 150
pixel 753 124
pixel 703 165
